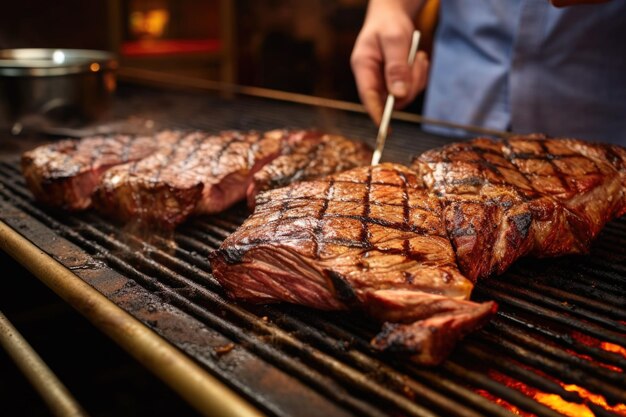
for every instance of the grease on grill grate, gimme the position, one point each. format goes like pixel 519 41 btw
pixel 556 347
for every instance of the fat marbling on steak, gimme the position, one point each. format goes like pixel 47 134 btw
pixel 64 174
pixel 313 155
pixel 526 195
pixel 370 239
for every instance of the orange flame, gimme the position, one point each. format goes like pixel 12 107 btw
pixel 620 409
pixel 592 341
pixel 567 408
pixel 610 347
pixel 552 401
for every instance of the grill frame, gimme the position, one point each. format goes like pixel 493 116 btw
pixel 342 375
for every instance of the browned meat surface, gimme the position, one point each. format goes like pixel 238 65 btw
pixel 65 174
pixel 371 239
pixel 161 180
pixel 310 155
pixel 528 195
pixel 200 174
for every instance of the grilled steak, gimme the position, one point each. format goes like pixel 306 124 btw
pixel 370 238
pixel 528 195
pixel 161 180
pixel 311 155
pixel 65 173
pixel 200 173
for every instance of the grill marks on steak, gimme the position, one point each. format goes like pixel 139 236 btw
pixel 65 174
pixel 199 174
pixel 310 155
pixel 160 181
pixel 527 195
pixel 370 238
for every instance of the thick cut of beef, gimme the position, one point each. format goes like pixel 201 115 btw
pixel 161 180
pixel 200 174
pixel 206 174
pixel 312 155
pixel 64 174
pixel 370 239
pixel 526 195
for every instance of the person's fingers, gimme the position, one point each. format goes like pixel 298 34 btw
pixel 419 78
pixel 366 66
pixel 395 47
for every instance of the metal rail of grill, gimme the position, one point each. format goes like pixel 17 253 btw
pixel 556 347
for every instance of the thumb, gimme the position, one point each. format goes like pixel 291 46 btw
pixel 397 72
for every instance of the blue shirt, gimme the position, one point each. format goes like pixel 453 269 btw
pixel 526 66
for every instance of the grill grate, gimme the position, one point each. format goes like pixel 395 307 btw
pixel 560 331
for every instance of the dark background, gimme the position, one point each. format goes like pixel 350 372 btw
pixel 281 44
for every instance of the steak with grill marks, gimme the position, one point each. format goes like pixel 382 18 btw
pixel 527 195
pixel 199 174
pixel 315 155
pixel 371 239
pixel 65 174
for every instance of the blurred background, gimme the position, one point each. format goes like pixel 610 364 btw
pixel 288 45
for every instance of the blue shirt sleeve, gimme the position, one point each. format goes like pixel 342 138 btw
pixel 526 66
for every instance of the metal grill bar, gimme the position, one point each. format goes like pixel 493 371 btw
pixel 574 309
pixel 547 314
pixel 602 357
pixel 59 400
pixel 510 367
pixel 507 393
pixel 605 303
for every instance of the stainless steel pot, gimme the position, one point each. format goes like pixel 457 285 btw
pixel 66 86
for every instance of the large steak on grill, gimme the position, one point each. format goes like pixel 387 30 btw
pixel 64 174
pixel 200 173
pixel 206 174
pixel 527 195
pixel 370 239
pixel 161 180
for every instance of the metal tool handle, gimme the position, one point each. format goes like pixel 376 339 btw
pixel 391 100
pixel 54 393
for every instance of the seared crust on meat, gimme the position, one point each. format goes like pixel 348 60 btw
pixel 161 180
pixel 309 155
pixel 526 195
pixel 370 238
pixel 65 174
pixel 200 173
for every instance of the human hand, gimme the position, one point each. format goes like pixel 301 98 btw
pixel 379 58
pixel 563 3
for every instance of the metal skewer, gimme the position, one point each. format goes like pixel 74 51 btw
pixel 384 123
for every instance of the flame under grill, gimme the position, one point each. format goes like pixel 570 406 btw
pixel 557 346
